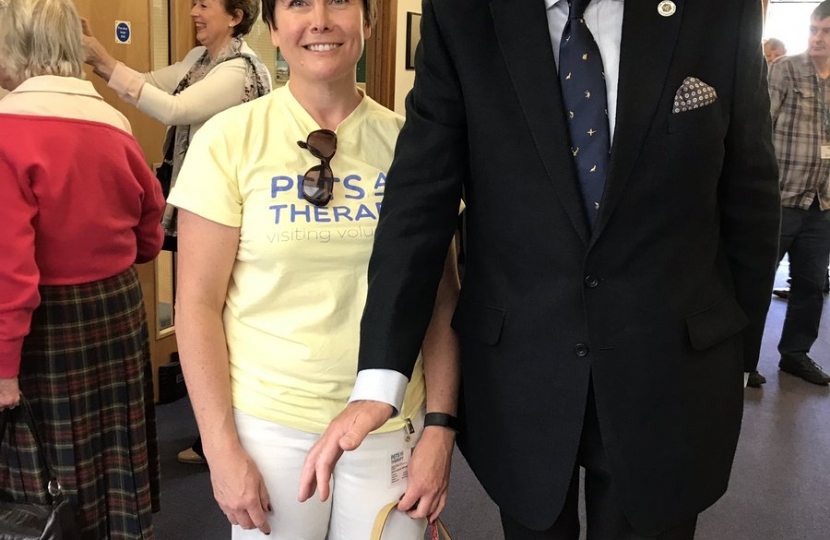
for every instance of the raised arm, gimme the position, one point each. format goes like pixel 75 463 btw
pixel 222 88
pixel 152 93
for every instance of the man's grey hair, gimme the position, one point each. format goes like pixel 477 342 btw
pixel 40 37
pixel 776 44
pixel 822 11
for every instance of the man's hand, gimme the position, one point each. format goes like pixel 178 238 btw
pixel 239 489
pixel 345 433
pixel 9 393
pixel 429 474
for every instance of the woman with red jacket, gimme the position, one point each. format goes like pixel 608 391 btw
pixel 80 208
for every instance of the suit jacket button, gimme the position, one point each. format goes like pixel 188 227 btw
pixel 581 350
pixel 591 281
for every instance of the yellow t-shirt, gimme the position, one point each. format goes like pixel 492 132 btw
pixel 298 285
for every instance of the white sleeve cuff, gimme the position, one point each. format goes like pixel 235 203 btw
pixel 127 83
pixel 384 385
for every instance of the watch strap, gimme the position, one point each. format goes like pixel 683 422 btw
pixel 442 420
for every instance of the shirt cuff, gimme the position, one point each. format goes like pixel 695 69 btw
pixel 127 83
pixel 384 385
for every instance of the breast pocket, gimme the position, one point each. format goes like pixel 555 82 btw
pixel 703 118
pixel 805 98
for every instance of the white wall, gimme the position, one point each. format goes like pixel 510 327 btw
pixel 404 78
pixel 790 22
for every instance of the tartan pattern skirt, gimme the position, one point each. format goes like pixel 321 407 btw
pixel 86 371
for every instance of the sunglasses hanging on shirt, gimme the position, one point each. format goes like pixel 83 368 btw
pixel 318 181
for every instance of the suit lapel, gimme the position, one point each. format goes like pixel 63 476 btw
pixel 648 43
pixel 523 36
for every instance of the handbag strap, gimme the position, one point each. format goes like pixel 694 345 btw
pixel 383 516
pixel 24 412
pixel 439 527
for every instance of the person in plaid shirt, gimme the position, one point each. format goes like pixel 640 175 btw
pixel 800 106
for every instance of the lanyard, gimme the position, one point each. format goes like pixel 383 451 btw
pixel 821 92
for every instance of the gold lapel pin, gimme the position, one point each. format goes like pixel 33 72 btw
pixel 666 8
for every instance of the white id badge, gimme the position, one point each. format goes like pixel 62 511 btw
pixel 825 151
pixel 399 467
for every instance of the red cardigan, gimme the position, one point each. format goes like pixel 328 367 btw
pixel 78 203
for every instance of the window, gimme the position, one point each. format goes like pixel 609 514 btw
pixel 789 21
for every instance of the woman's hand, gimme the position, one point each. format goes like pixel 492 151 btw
pixel 429 474
pixel 95 54
pixel 9 393
pixel 239 489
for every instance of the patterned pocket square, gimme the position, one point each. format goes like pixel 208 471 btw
pixel 693 94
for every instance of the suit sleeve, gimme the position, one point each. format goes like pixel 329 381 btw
pixel 749 197
pixel 420 208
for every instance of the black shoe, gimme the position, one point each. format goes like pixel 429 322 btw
pixel 783 294
pixel 803 366
pixel 755 379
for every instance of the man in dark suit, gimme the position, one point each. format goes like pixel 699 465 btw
pixel 610 308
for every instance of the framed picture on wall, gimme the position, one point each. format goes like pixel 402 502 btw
pixel 413 36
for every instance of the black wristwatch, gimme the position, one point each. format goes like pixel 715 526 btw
pixel 442 420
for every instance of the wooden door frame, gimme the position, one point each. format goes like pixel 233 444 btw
pixel 380 55
pixel 182 30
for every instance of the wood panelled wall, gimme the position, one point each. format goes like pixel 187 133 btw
pixel 380 55
pixel 102 15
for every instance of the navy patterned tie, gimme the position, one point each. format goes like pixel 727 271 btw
pixel 582 79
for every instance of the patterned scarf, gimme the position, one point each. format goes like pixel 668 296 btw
pixel 257 84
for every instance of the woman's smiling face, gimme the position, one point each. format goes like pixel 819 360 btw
pixel 321 40
pixel 214 25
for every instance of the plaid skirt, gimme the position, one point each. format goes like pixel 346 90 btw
pixel 86 371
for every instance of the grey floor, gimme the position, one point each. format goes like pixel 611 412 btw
pixel 780 488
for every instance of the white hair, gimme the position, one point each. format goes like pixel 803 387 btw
pixel 40 37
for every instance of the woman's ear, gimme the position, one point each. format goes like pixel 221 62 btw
pixel 237 17
pixel 275 36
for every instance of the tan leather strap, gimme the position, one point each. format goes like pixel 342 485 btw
pixel 380 520
pixel 383 517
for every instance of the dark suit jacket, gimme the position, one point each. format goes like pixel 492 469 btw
pixel 662 305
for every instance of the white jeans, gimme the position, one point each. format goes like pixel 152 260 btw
pixel 363 482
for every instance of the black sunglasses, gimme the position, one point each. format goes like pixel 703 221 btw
pixel 318 181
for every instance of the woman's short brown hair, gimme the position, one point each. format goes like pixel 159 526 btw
pixel 370 12
pixel 250 11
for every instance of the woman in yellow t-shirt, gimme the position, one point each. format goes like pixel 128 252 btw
pixel 278 204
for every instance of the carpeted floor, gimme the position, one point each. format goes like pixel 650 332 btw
pixel 780 488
